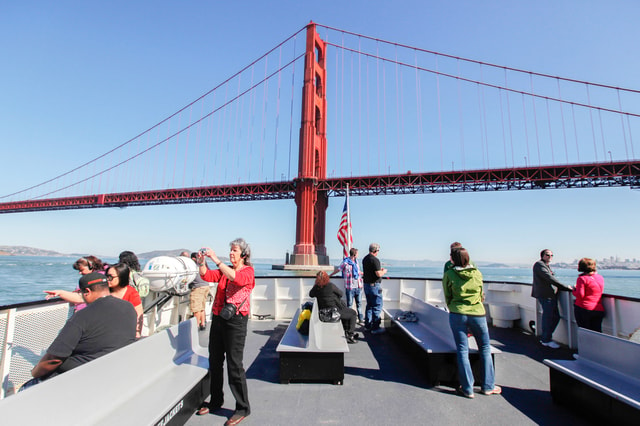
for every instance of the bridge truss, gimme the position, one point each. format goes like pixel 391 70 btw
pixel 526 178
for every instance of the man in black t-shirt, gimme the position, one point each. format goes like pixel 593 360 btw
pixel 373 273
pixel 106 324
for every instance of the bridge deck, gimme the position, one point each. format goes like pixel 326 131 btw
pixel 384 385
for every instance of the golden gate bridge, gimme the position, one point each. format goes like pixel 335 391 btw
pixel 379 117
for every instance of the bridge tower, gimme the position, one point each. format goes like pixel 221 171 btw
pixel 309 248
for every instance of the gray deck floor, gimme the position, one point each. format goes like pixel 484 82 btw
pixel 384 385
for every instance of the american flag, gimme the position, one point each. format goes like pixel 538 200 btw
pixel 344 231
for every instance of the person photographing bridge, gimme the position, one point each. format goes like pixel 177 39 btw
pixel 228 330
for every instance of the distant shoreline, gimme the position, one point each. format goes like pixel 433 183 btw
pixel 31 251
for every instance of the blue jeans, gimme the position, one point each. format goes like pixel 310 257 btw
pixel 373 311
pixel 478 326
pixel 550 318
pixel 354 294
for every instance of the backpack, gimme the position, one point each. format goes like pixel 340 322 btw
pixel 140 283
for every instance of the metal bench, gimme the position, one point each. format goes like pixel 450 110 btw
pixel 318 357
pixel 159 380
pixel 431 333
pixel 603 381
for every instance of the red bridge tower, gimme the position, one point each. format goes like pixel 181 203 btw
pixel 312 162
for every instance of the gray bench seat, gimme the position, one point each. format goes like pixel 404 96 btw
pixel 159 380
pixel 318 357
pixel 603 381
pixel 432 335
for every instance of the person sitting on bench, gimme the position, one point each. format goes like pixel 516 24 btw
pixel 106 324
pixel 329 297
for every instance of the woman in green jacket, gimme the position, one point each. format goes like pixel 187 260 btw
pixel 463 291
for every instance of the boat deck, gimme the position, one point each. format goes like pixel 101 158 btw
pixel 384 385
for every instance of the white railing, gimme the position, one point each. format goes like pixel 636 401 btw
pixel 27 330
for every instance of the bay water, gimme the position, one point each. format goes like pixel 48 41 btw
pixel 24 278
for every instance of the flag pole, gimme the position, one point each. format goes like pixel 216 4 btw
pixel 348 221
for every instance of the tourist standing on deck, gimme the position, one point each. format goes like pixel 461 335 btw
pixel 543 282
pixel 352 281
pixel 198 297
pixel 464 294
pixel 372 278
pixel 449 263
pixel 227 336
pixel 588 308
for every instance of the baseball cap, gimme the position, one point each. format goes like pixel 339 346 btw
pixel 91 279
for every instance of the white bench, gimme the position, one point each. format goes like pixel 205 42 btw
pixel 159 380
pixel 318 357
pixel 432 334
pixel 603 381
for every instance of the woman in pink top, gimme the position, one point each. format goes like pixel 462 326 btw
pixel 588 308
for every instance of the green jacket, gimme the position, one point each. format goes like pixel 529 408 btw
pixel 463 290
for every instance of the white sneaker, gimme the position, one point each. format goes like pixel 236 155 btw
pixel 550 344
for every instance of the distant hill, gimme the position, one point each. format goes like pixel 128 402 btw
pixel 27 251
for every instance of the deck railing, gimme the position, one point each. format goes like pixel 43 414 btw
pixel 27 329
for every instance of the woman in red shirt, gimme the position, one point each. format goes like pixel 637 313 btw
pixel 227 336
pixel 118 277
pixel 588 308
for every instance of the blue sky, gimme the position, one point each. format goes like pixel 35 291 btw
pixel 81 77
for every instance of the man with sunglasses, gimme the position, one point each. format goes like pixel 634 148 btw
pixel 106 324
pixel 543 282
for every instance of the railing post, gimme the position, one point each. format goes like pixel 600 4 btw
pixel 6 352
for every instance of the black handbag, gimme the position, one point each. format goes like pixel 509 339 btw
pixel 228 311
pixel 329 315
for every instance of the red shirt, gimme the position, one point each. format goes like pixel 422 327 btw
pixel 588 292
pixel 132 296
pixel 235 291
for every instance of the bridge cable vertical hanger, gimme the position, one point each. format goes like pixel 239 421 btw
pixel 378 103
pixel 359 107
pixel 593 131
pixel 460 118
pixel 553 159
pixel 484 116
pixel 275 143
pixel 398 126
pixel 564 131
pixel 439 117
pixel 293 80
pixel 526 130
pixel 506 85
pixel 575 131
pixel 535 119
pixel 624 131
pixel 418 109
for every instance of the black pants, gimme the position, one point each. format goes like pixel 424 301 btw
pixel 349 317
pixel 228 337
pixel 591 320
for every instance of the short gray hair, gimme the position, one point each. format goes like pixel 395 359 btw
pixel 374 247
pixel 244 248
